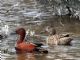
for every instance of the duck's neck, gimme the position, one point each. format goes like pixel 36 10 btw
pixel 21 39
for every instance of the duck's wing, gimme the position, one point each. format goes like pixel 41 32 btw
pixel 65 40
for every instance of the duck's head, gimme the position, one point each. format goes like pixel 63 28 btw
pixel 50 30
pixel 21 31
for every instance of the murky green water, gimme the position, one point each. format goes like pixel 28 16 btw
pixel 30 15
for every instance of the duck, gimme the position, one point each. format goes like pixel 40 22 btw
pixel 58 39
pixel 27 47
pixel 21 44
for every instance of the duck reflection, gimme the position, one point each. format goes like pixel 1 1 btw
pixel 26 56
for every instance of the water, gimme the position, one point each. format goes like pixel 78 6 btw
pixel 55 53
pixel 35 16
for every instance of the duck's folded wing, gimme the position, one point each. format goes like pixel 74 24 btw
pixel 65 40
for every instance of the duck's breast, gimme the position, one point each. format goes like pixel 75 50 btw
pixel 26 46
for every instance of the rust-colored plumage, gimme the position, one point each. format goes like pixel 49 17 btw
pixel 21 45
